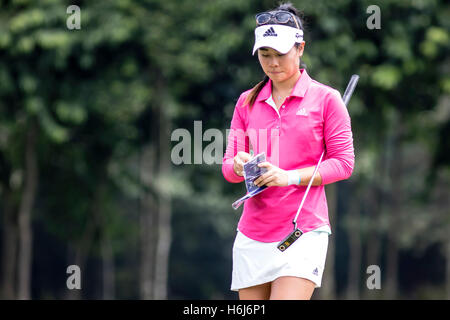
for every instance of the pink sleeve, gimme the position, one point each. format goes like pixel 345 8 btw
pixel 340 158
pixel 237 141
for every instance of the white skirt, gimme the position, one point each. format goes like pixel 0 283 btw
pixel 256 262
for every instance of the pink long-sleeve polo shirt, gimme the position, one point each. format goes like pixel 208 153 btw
pixel 313 118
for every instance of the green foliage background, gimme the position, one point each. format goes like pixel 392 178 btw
pixel 93 95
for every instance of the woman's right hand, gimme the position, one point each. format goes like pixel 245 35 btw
pixel 239 160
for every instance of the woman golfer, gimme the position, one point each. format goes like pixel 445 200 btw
pixel 293 119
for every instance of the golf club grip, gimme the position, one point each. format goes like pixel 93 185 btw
pixel 347 95
pixel 350 88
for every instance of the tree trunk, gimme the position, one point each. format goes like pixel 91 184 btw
pixel 81 252
pixel 328 289
pixel 83 247
pixel 155 205
pixel 391 286
pixel 108 269
pixel 164 212
pixel 373 243
pixel 106 249
pixel 9 251
pixel 396 201
pixel 24 216
pixel 147 224
pixel 378 204
pixel 375 204
pixel 354 266
pixel 447 270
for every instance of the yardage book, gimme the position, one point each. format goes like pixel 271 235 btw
pixel 251 173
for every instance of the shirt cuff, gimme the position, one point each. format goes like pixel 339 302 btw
pixel 230 175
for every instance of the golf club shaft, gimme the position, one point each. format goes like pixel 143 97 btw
pixel 307 189
pixel 347 95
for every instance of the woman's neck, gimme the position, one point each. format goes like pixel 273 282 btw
pixel 286 86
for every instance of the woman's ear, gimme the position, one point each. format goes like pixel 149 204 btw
pixel 300 48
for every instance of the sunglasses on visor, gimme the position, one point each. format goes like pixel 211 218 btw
pixel 279 17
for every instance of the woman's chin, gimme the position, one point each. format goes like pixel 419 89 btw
pixel 276 76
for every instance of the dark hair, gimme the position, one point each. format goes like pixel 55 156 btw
pixel 287 6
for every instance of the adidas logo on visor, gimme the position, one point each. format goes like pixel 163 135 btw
pixel 270 33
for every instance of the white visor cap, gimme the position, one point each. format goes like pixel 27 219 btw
pixel 279 37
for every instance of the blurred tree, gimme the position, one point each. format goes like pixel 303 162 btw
pixel 84 108
pixel 85 135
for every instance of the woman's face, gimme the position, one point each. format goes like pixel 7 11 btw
pixel 280 67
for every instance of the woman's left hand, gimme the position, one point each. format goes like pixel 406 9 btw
pixel 273 177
